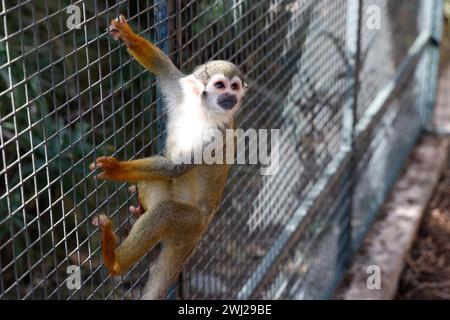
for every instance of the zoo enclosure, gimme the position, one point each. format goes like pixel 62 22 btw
pixel 349 99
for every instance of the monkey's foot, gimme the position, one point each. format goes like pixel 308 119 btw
pixel 135 211
pixel 110 166
pixel 109 241
pixel 102 221
pixel 119 29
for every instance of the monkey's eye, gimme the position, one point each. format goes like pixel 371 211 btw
pixel 235 86
pixel 219 85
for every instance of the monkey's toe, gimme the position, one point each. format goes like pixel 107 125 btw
pixel 136 211
pixel 101 221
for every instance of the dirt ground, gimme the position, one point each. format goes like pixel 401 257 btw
pixel 427 272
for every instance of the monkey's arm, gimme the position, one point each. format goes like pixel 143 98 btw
pixel 145 52
pixel 133 171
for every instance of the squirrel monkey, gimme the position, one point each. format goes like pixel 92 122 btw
pixel 176 201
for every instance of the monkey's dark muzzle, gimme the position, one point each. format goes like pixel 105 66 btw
pixel 227 101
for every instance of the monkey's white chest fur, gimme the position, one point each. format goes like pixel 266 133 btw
pixel 190 123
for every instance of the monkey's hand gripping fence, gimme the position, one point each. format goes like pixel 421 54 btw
pixel 348 84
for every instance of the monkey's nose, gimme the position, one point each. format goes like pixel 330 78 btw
pixel 227 101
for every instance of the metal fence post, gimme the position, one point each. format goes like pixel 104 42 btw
pixel 434 26
pixel 353 47
pixel 163 41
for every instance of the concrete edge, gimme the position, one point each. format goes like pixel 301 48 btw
pixel 393 233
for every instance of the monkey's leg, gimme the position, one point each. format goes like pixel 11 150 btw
pixel 147 169
pixel 144 234
pixel 174 221
pixel 168 266
pixel 186 225
pixel 108 239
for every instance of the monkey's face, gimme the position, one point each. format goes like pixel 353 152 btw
pixel 224 94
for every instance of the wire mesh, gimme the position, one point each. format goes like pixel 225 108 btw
pixel 68 95
pixel 386 144
pixel 295 86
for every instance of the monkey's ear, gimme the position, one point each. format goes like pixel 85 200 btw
pixel 192 84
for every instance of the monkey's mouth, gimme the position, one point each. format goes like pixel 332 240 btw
pixel 227 101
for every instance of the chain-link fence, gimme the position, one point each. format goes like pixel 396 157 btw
pixel 350 84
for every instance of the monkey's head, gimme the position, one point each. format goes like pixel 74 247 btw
pixel 220 85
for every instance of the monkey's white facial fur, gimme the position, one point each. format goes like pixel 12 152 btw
pixel 223 94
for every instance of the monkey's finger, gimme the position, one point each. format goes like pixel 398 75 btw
pixel 92 166
pixel 103 176
pixel 118 23
pixel 106 163
pixel 119 29
pixel 122 19
pixel 115 34
pixel 96 164
pixel 115 29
